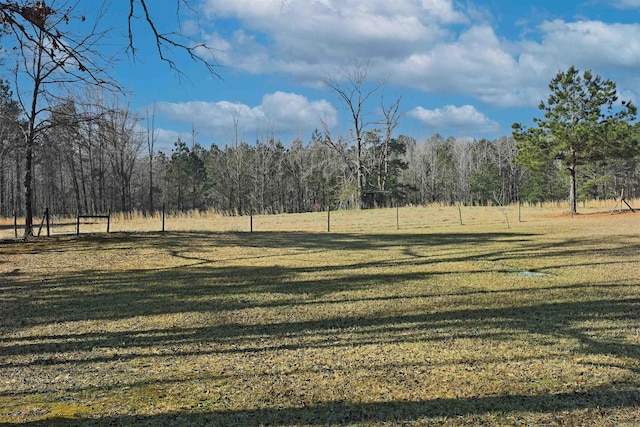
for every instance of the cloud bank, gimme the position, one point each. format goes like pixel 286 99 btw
pixel 435 46
pixel 279 112
pixel 463 120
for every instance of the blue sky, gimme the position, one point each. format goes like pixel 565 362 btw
pixel 463 68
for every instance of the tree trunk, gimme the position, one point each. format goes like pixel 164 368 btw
pixel 4 210
pixel 92 176
pixel 151 204
pixel 360 174
pixel 83 181
pixel 572 189
pixel 151 139
pixel 28 191
pixel 30 138
pixel 572 181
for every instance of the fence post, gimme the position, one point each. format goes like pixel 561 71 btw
pixel 397 217
pixel 328 219
pixel 460 212
pixel 15 223
pixel 108 221
pixel 251 222
pixel 78 226
pixel 42 223
pixel 519 210
pixel 46 212
pixel 163 210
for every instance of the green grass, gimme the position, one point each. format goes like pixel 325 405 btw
pixel 435 324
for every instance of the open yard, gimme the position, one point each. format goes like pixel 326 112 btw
pixel 494 322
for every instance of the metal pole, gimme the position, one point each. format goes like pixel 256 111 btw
pixel 46 212
pixel 328 219
pixel 397 217
pixel 15 223
pixel 163 208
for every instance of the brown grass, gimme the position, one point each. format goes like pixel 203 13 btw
pixel 340 221
pixel 432 324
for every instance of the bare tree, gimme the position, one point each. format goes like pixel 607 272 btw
pixel 20 17
pixel 151 140
pixel 389 123
pixel 238 164
pixel 10 131
pixel 354 92
pixel 267 172
pixel 124 143
pixel 50 54
pixel 44 64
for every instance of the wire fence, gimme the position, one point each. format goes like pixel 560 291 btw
pixel 341 221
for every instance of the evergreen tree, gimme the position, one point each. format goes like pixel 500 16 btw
pixel 581 125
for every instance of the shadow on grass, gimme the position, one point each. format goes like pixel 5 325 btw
pixel 109 294
pixel 185 244
pixel 211 285
pixel 394 412
pixel 552 320
pixel 183 241
pixel 207 283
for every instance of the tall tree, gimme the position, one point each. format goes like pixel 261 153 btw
pixel 582 124
pixel 50 53
pixel 124 143
pixel 152 136
pixel 354 91
pixel 387 153
pixel 45 61
pixel 10 137
pixel 61 141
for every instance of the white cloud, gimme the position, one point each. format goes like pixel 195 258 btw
pixel 431 45
pixel 410 42
pixel 270 13
pixel 166 139
pixel 328 32
pixel 462 120
pixel 283 113
pixel 588 44
pixel 475 64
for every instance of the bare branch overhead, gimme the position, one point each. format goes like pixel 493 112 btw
pixel 23 18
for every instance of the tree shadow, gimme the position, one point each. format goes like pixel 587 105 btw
pixel 552 320
pixel 222 286
pixel 390 412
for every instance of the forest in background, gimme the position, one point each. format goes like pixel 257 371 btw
pixel 70 143
pixel 97 156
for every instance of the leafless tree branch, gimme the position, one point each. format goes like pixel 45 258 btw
pixel 22 17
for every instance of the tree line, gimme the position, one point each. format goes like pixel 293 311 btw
pixel 96 156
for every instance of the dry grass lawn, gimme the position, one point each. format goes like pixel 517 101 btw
pixel 494 322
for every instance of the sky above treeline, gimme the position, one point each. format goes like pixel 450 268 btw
pixel 467 69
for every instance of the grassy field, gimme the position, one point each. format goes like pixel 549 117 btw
pixel 493 322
